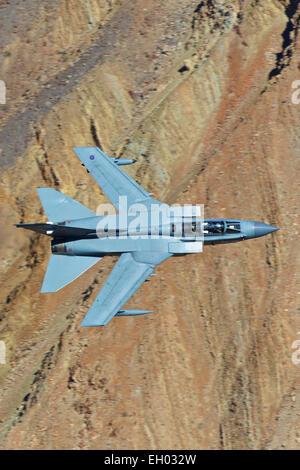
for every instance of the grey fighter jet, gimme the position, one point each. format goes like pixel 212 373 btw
pixel 80 237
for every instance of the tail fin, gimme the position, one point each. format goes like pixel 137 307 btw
pixel 62 270
pixel 60 207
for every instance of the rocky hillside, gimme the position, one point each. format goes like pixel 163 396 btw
pixel 200 93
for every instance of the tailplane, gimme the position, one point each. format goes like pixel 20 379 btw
pixel 62 270
pixel 60 207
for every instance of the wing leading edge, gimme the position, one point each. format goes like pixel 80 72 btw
pixel 126 277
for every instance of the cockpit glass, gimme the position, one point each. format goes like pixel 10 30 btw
pixel 216 227
pixel 213 227
pixel 233 227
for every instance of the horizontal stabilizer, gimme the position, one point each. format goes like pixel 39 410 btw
pixel 60 207
pixel 63 269
pixel 123 313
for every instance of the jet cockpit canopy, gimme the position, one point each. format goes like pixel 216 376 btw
pixel 212 227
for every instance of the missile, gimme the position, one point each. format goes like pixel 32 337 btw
pixel 123 313
pixel 124 161
pixel 119 162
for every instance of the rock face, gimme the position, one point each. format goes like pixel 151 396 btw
pixel 201 94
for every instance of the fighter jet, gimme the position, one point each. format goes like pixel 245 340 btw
pixel 144 232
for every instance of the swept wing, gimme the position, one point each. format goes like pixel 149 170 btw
pixel 127 276
pixel 112 179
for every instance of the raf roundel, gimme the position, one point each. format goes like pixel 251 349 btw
pixel 92 157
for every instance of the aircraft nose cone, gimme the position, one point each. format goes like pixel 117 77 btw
pixel 261 229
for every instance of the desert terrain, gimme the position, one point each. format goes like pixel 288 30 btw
pixel 203 96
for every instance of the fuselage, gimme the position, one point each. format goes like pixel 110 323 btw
pixel 97 236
